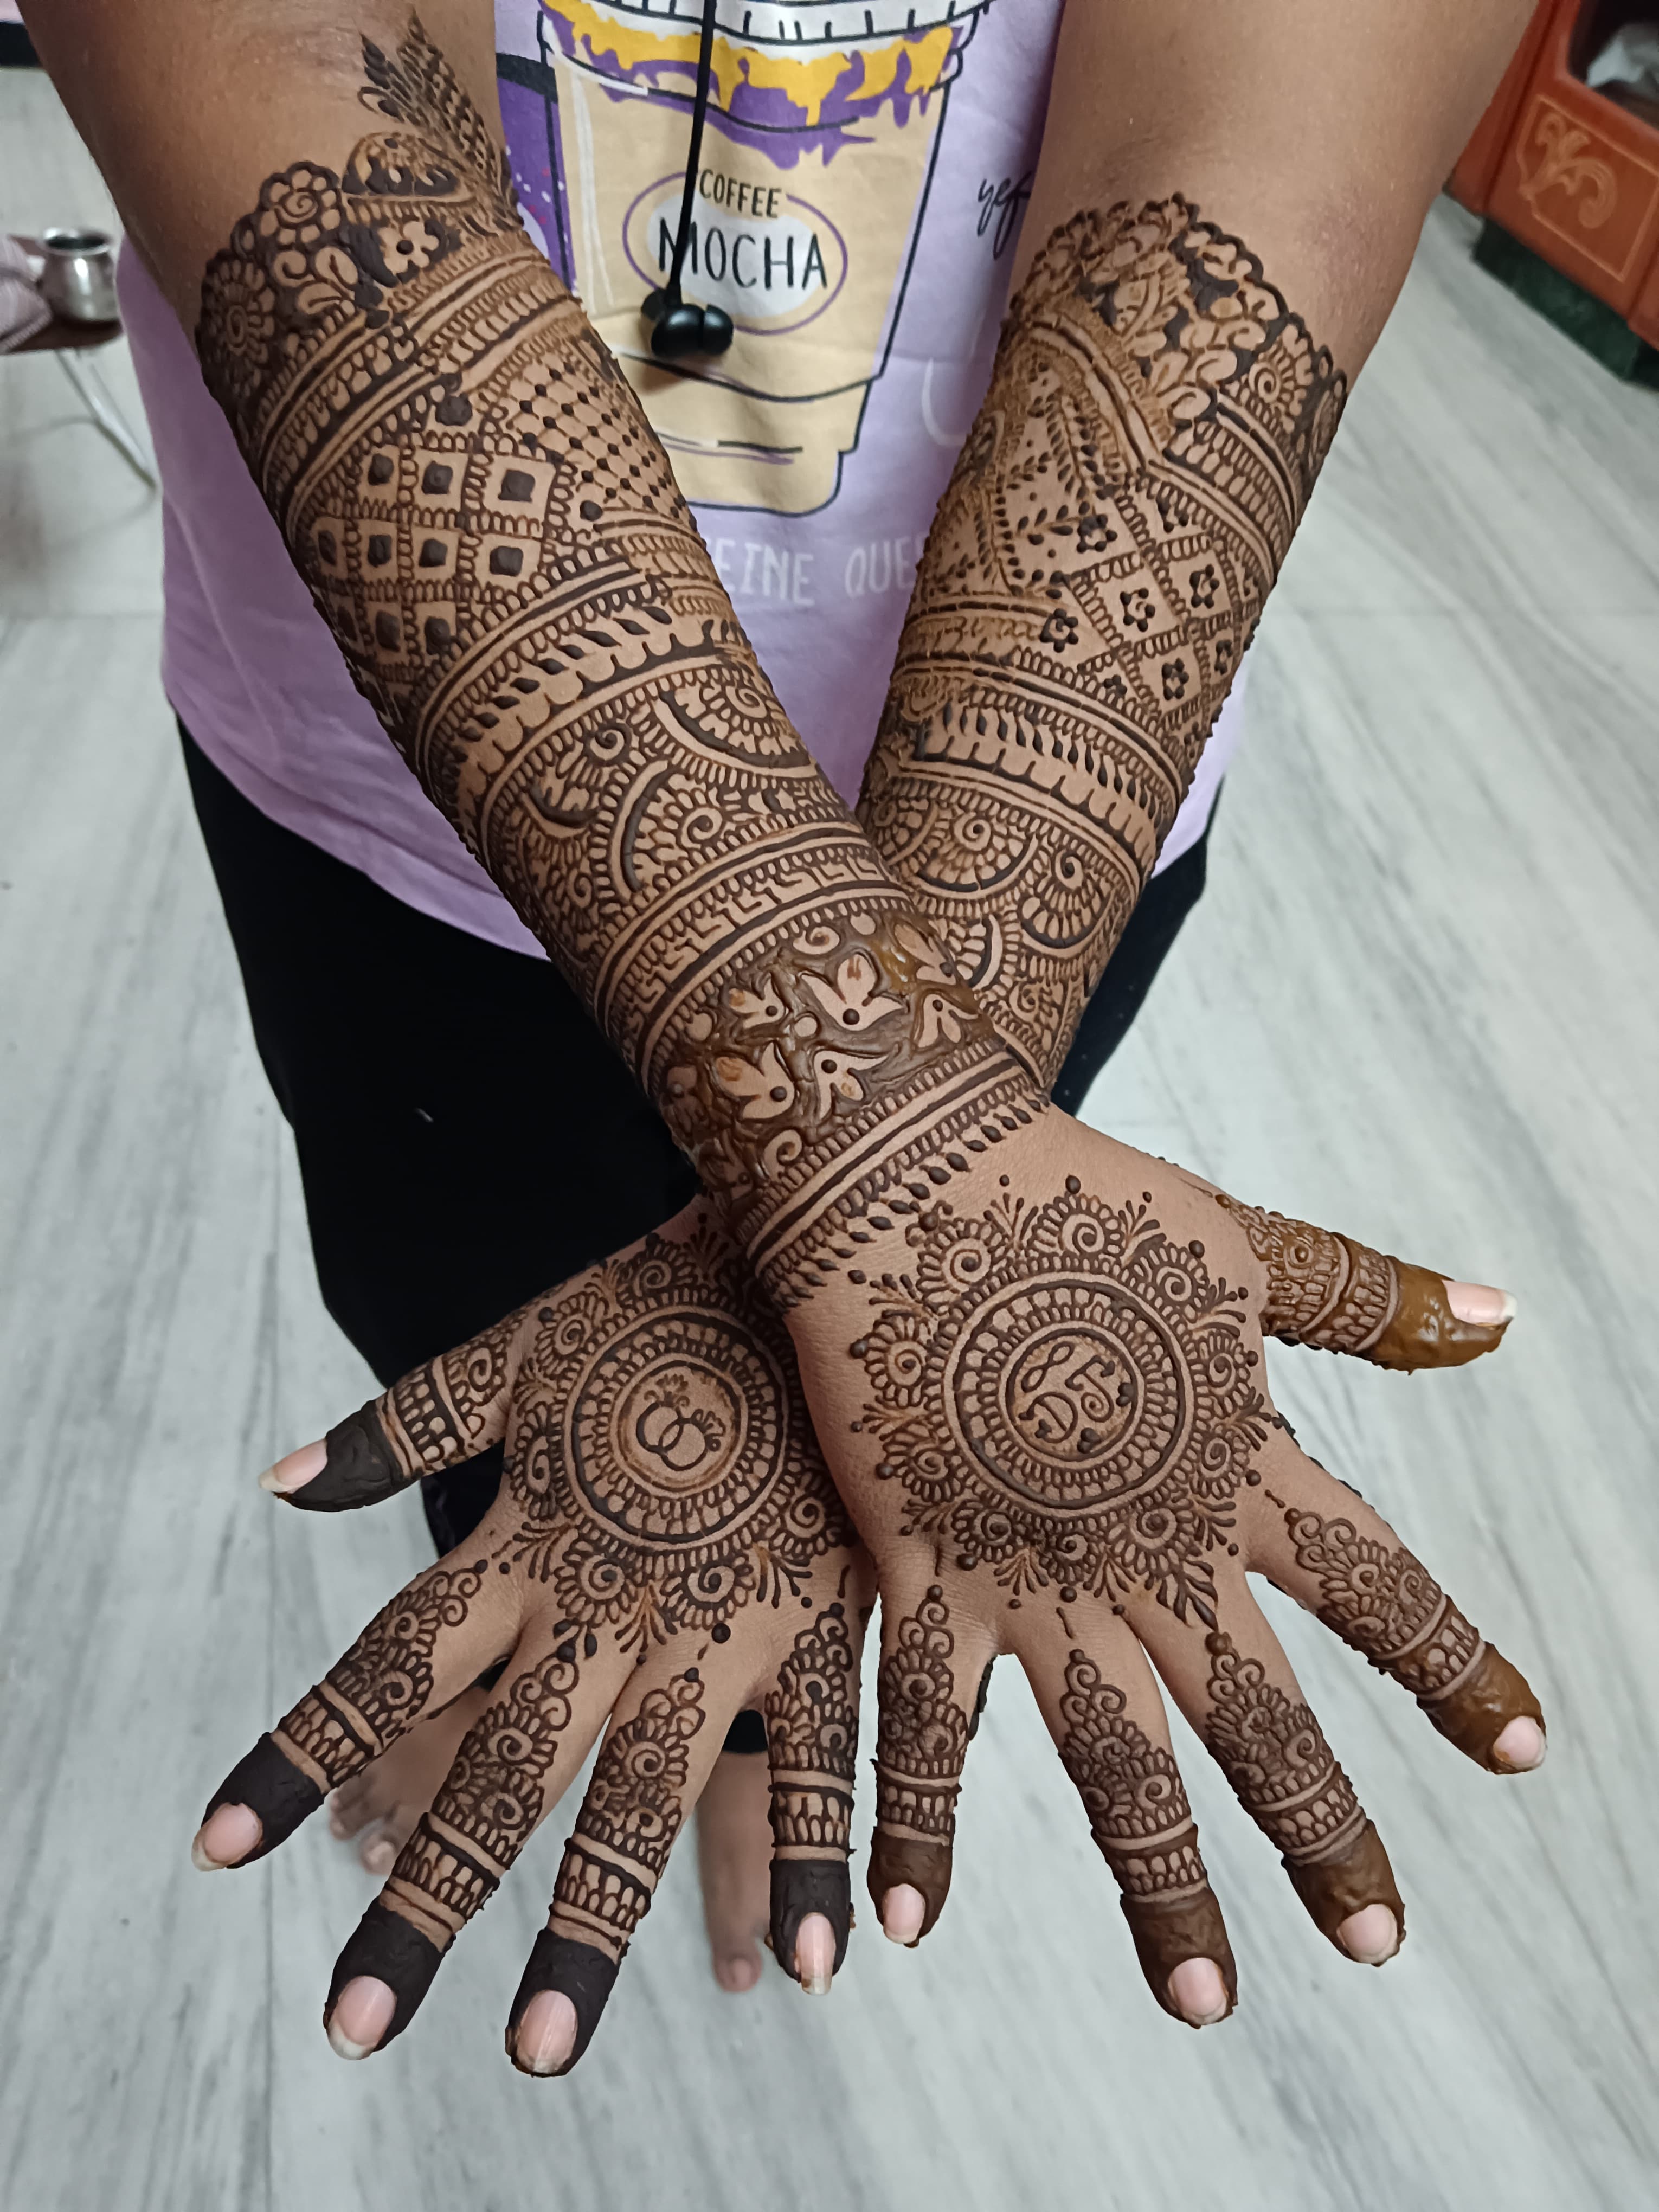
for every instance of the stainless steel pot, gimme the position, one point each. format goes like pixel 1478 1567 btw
pixel 78 281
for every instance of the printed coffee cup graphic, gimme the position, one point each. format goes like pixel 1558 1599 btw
pixel 824 124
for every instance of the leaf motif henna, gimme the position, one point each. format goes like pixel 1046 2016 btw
pixel 1065 1395
pixel 1155 419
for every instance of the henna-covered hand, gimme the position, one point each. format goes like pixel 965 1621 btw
pixel 1044 1397
pixel 667 1549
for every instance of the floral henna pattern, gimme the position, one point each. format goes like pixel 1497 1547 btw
pixel 659 1454
pixel 812 1735
pixel 453 1407
pixel 384 1682
pixel 1066 1396
pixel 492 1799
pixel 1275 1754
pixel 1156 420
pixel 923 1737
pixel 470 489
pixel 635 1806
pixel 1138 1815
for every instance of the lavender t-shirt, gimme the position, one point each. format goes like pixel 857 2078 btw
pixel 858 199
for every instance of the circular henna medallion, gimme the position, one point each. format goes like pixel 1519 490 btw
pixel 1067 1398
pixel 673 1430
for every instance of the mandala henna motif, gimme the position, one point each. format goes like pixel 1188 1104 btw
pixel 469 489
pixel 659 1453
pixel 1065 1395
pixel 1274 1753
pixel 812 1735
pixel 383 1684
pixel 629 1819
pixel 1155 419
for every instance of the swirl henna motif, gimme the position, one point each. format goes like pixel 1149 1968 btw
pixel 1065 1395
pixel 1155 419
pixel 811 1731
pixel 1138 1815
pixel 1384 1602
pixel 635 1806
pixel 483 515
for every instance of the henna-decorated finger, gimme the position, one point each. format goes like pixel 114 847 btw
pixel 1336 1295
pixel 434 1639
pixel 1237 1688
pixel 927 1694
pixel 656 1756
pixel 508 1775
pixel 450 1409
pixel 812 1742
pixel 1327 1548
pixel 1107 1718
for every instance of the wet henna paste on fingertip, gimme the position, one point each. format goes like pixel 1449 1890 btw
pixel 360 1469
pixel 1168 1932
pixel 574 1970
pixel 280 1794
pixel 1333 1890
pixel 800 1887
pixel 925 1867
pixel 388 1948
pixel 1475 1713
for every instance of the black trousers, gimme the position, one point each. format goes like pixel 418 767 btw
pixel 466 1136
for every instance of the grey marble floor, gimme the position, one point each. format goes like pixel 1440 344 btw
pixel 1417 1001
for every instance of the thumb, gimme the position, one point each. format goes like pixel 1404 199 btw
pixel 1327 1291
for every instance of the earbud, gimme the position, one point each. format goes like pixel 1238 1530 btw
pixel 679 327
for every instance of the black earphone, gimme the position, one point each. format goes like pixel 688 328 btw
pixel 678 326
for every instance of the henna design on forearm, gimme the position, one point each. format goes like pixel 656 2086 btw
pixel 812 1736
pixel 921 1745
pixel 1328 1292
pixel 471 491
pixel 1138 1815
pixel 1155 419
pixel 1385 1603
pixel 1064 1393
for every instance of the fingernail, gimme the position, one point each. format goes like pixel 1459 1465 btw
pixel 294 1472
pixel 363 2013
pixel 1480 1305
pixel 815 1953
pixel 378 1855
pixel 547 2033
pixel 226 1838
pixel 1198 1992
pixel 1521 1745
pixel 1372 1935
pixel 902 1911
pixel 738 1975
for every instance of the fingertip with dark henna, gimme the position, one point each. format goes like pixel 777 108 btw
pixel 904 1873
pixel 1483 1714
pixel 1185 1956
pixel 812 1917
pixel 1348 1898
pixel 383 1952
pixel 265 1788
pixel 1441 1323
pixel 547 2039
pixel 357 1468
